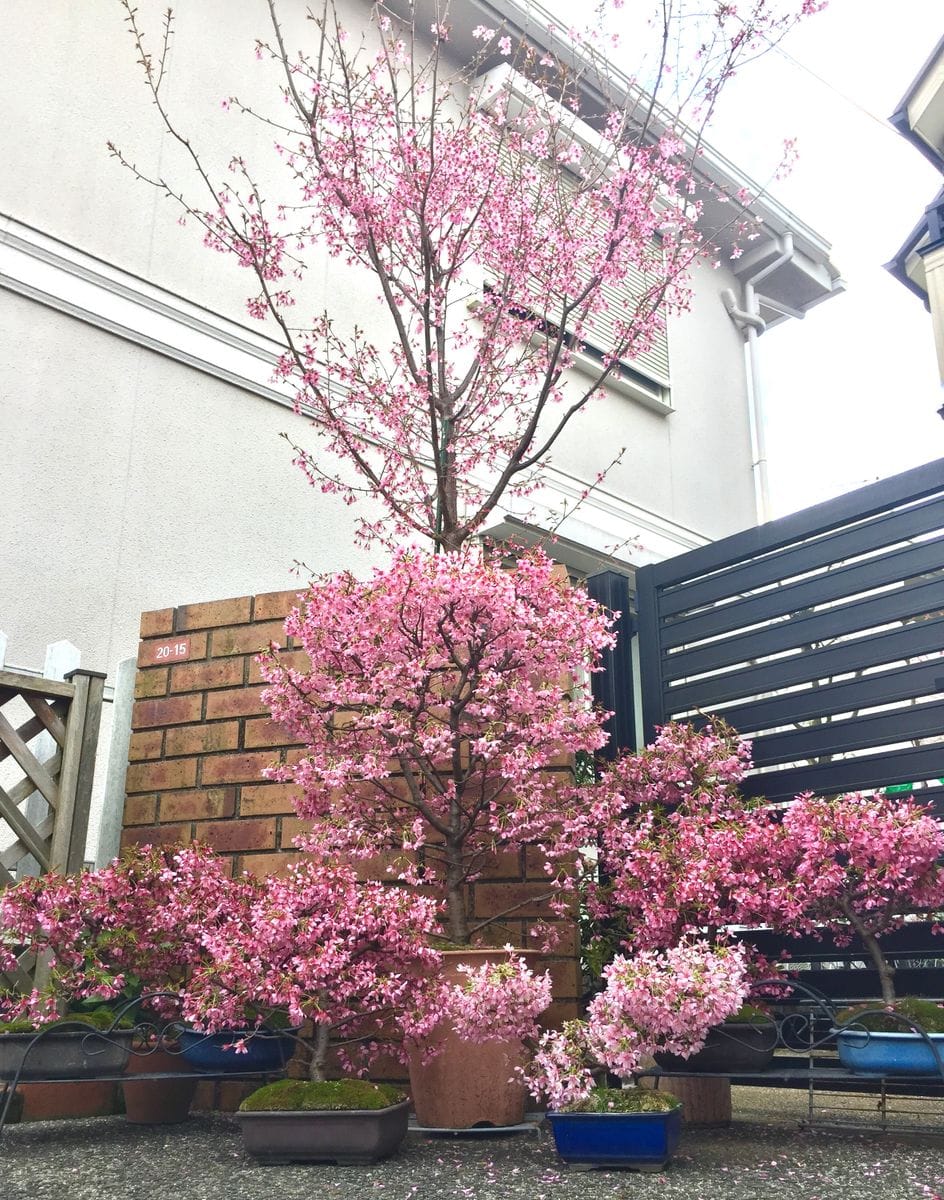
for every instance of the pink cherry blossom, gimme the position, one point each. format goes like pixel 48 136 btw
pixel 439 695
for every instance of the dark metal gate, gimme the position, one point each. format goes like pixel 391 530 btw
pixel 820 636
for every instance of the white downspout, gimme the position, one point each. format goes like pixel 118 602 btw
pixel 750 322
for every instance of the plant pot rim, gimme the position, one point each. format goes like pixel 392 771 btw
pixel 885 1034
pixel 562 1112
pixel 320 1112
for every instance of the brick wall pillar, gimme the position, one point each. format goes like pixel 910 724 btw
pixel 201 738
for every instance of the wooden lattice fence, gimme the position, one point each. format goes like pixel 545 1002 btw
pixel 44 802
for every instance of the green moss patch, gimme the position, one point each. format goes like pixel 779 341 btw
pixel 926 1013
pixel 749 1014
pixel 98 1018
pixel 332 1095
pixel 626 1100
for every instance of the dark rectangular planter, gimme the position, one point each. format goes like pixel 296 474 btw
pixel 64 1055
pixel 345 1138
pixel 644 1141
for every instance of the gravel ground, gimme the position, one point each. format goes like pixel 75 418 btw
pixel 763 1153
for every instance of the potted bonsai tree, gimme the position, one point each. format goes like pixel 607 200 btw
pixel 102 939
pixel 862 866
pixel 343 958
pixel 437 707
pixel 656 1000
pixel 683 854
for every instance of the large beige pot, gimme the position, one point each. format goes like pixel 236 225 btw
pixel 469 1083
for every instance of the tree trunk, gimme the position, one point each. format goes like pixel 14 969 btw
pixel 886 972
pixel 319 1053
pixel 455 898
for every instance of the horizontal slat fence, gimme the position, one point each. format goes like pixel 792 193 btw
pixel 819 636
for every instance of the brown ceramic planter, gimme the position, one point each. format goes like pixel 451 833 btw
pixel 469 1083
pixel 157 1101
pixel 345 1138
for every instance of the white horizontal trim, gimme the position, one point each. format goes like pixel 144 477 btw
pixel 53 273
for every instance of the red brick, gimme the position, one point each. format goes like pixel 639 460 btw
pixel 140 810
pixel 524 899
pixel 202 804
pixel 244 702
pixel 268 733
pixel 151 683
pixel 236 768
pixel 375 867
pixel 214 613
pixel 229 837
pixel 202 739
pixel 161 775
pixel 270 864
pixel 157 622
pixel 155 835
pixel 293 827
pixel 505 865
pixel 557 1013
pixel 173 710
pixel 275 604
pixel 199 676
pixel 565 976
pixel 146 745
pixel 197 649
pixel 568 939
pixel 266 799
pixel 245 639
pixel 293 660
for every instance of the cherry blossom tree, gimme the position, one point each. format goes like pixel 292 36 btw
pixel 656 1001
pixel 322 946
pixel 684 854
pixel 681 851
pixel 433 706
pixel 859 865
pixel 496 219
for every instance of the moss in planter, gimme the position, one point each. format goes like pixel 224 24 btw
pixel 625 1100
pixel 333 1095
pixel 98 1018
pixel 926 1013
pixel 749 1014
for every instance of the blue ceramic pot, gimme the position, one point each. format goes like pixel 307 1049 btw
pixel 870 1052
pixel 645 1141
pixel 265 1051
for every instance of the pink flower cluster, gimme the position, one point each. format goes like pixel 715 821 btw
pixel 656 1001
pixel 499 1000
pixel 137 924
